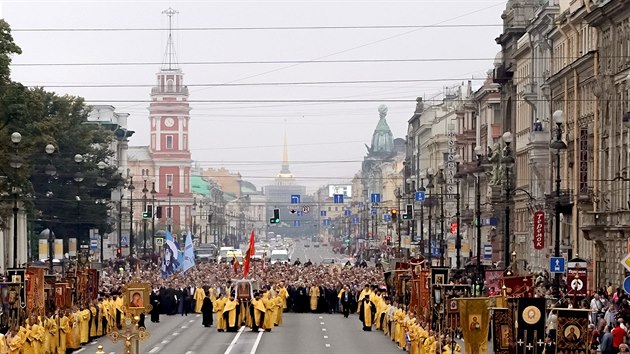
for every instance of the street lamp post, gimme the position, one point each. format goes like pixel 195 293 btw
pixel 101 182
pixel 205 238
pixel 131 236
pixel 508 161
pixel 458 236
pixel 144 220
pixel 430 219
pixel 421 189
pixel 194 217
pixel 441 181
pixel 153 193
pixel 398 221
pixel 556 148
pixel 169 219
pixel 478 173
pixel 78 178
pixel 50 172
pixel 15 163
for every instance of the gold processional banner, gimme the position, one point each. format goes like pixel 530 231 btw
pixel 475 318
pixel 35 291
pixel 571 336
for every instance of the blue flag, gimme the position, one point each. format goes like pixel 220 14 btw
pixel 189 253
pixel 170 257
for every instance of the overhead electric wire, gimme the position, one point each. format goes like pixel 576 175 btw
pixel 271 28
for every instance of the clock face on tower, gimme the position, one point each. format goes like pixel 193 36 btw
pixel 169 122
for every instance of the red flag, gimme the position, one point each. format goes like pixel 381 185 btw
pixel 236 265
pixel 248 254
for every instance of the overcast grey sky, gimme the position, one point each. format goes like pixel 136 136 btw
pixel 326 140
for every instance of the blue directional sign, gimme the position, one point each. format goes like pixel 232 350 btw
pixel 326 222
pixel 556 264
pixel 420 196
pixel 374 211
pixel 355 220
pixel 626 285
pixel 124 241
pixel 487 251
pixel 387 217
pixel 300 213
pixel 296 223
pixel 375 198
pixel 435 248
pixel 322 213
pixel 347 212
pixel 338 198
pixel 295 199
pixel 93 243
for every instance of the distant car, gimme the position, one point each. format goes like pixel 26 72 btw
pixel 324 244
pixel 316 245
pixel 328 261
pixel 307 245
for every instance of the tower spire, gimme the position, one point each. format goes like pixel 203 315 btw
pixel 170 58
pixel 285 156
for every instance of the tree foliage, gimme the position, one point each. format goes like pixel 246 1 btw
pixel 59 202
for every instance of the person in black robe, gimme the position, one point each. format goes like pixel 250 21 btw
pixel 141 321
pixel 362 313
pixel 179 298
pixel 169 304
pixel 206 311
pixel 346 302
pixel 155 311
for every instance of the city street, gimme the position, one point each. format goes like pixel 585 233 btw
pixel 315 254
pixel 300 333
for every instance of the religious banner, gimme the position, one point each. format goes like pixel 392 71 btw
pixel 92 286
pixel 539 230
pixel 494 281
pixel 18 276
pixel 475 318
pixel 35 299
pixel 502 324
pixel 61 296
pixel 519 286
pixel 425 293
pixel 439 276
pixel 531 325
pixel 571 335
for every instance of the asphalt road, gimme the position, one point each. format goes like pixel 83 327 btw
pixel 315 254
pixel 300 333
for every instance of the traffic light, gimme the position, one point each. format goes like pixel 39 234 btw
pixel 276 217
pixel 394 213
pixel 148 214
pixel 118 252
pixel 408 215
pixel 454 228
pixel 158 212
pixel 389 240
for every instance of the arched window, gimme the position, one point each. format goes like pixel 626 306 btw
pixel 169 86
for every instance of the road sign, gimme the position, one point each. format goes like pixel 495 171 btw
pixel 300 213
pixel 93 244
pixel 295 199
pixel 306 209
pixel 420 196
pixel 374 211
pixel 347 212
pixel 626 285
pixel 626 262
pixel 375 198
pixel 487 251
pixel 296 223
pixel 159 241
pixel 338 198
pixel 326 222
pixel 124 241
pixel 556 265
pixel 435 248
pixel 322 213
pixel 355 220
pixel 387 217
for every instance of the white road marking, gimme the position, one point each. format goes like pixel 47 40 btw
pixel 191 321
pixel 166 341
pixel 229 348
pixel 323 329
pixel 190 352
pixel 175 333
pixel 155 350
pixel 80 350
pixel 253 351
pixel 327 345
pixel 325 337
pixel 321 323
pixel 320 317
pixel 197 316
pixel 112 352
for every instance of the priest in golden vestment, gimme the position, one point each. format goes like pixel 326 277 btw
pixel 198 297
pixel 313 293
pixel 101 320
pixel 64 330
pixel 36 336
pixel 93 324
pixel 84 325
pixel 219 304
pixel 73 335
pixel 367 311
pixel 284 295
pixel 259 312
pixel 230 313
pixel 270 307
pixel 25 334
pixel 279 308
pixel 52 332
pixel 15 341
pixel 4 348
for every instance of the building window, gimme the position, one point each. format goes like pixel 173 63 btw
pixel 169 180
pixel 169 141
pixel 169 86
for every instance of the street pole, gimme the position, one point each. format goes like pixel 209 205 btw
pixel 169 219
pixel 478 174
pixel 556 147
pixel 508 160
pixel 430 218
pixel 120 223
pixel 458 237
pixel 15 227
pixel 442 250
pixel 144 220
pixel 131 238
pixel 153 192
